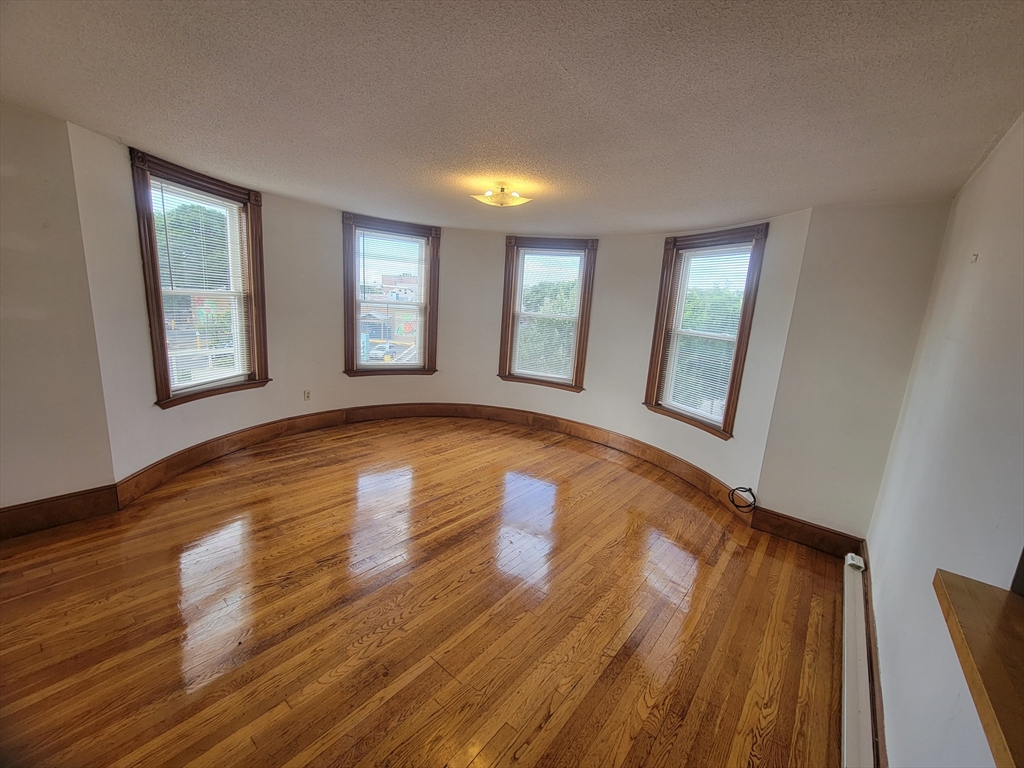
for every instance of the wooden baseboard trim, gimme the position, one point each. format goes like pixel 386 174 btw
pixel 681 468
pixel 159 472
pixel 32 516
pixel 812 535
pixel 836 543
pixel 874 681
pixel 47 513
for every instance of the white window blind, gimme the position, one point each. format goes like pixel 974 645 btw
pixel 547 308
pixel 391 299
pixel 707 299
pixel 204 284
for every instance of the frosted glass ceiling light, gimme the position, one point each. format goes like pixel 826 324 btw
pixel 501 198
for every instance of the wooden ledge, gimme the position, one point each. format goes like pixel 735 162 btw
pixel 987 627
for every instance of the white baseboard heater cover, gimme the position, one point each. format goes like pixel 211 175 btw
pixel 858 742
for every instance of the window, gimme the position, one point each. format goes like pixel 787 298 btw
pixel 202 262
pixel 702 325
pixel 546 312
pixel 391 280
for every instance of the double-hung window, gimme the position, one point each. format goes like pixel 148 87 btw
pixel 546 311
pixel 202 257
pixel 391 285
pixel 703 319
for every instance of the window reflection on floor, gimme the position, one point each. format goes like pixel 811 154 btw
pixel 527 512
pixel 670 569
pixel 671 573
pixel 216 581
pixel 381 525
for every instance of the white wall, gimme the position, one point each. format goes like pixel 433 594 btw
pixel 622 322
pixel 863 291
pixel 862 273
pixel 53 438
pixel 302 245
pixel 303 284
pixel 72 298
pixel 954 484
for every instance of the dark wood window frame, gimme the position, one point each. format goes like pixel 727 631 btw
pixel 352 221
pixel 512 245
pixel 145 166
pixel 670 265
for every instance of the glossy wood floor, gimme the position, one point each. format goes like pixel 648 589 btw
pixel 421 592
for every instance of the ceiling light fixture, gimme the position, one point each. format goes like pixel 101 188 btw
pixel 501 198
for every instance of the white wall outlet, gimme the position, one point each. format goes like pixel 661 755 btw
pixel 306 394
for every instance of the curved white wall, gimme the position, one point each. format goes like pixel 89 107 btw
pixel 962 417
pixel 302 246
pixel 303 273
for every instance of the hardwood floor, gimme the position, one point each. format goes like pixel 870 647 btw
pixel 422 592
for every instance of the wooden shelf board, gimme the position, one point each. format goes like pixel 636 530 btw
pixel 987 627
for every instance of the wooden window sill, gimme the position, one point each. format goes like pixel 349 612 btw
pixel 987 627
pixel 391 372
pixel 694 422
pixel 543 382
pixel 199 394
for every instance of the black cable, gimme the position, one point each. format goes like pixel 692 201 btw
pixel 743 507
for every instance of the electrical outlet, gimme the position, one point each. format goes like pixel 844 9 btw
pixel 306 394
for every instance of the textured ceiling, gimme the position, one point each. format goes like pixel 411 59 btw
pixel 617 117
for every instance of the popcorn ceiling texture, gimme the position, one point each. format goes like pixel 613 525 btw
pixel 617 117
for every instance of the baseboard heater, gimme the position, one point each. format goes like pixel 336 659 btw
pixel 858 740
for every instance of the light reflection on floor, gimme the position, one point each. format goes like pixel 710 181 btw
pixel 392 579
pixel 524 541
pixel 381 520
pixel 670 569
pixel 672 572
pixel 215 583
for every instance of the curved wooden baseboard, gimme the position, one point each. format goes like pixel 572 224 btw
pixel 47 513
pixel 159 472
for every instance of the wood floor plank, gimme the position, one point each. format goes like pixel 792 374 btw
pixel 801 739
pixel 760 716
pixel 430 591
pixel 721 655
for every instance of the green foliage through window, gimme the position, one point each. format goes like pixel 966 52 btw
pixel 703 340
pixel 192 242
pixel 552 298
pixel 203 310
pixel 545 346
pixel 712 310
